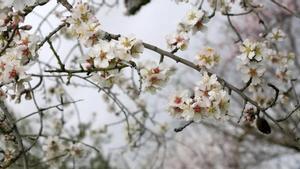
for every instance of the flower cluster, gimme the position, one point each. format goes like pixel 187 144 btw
pixel 9 21
pixel 104 53
pixel 208 100
pixel 54 148
pixel 193 22
pixel 252 51
pixel 207 58
pixel 260 95
pixel 18 49
pixel 251 61
pixel 155 76
pixel 283 64
pixel 249 114
pixel 108 54
pixel 76 150
pixel 16 60
pixel 84 25
pixel 106 78
pixel 100 55
pixel 11 68
pixel 256 56
pixel 281 61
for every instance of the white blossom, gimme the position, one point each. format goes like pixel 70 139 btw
pixel 84 25
pixel 132 46
pixel 76 150
pixel 207 57
pixel 209 101
pixel 155 76
pixel 106 78
pixel 11 68
pixel 252 51
pixel 254 71
pixel 102 54
pixel 178 41
pixel 195 20
pixel 177 103
pixel 53 149
pixel 276 35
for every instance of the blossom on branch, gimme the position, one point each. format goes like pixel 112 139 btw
pixel 155 76
pixel 254 71
pixel 252 51
pixel 177 103
pixel 132 46
pixel 209 100
pixel 16 60
pixel 106 78
pixel 208 58
pixel 84 25
pixel 53 149
pixel 178 41
pixel 101 54
pixel 195 20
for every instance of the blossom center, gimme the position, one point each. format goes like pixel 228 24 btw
pixel 178 100
pixel 252 72
pixel 197 109
pixel 102 55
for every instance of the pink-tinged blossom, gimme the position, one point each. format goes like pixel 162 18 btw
pixel 155 76
pixel 178 41
pixel 178 103
pixel 208 101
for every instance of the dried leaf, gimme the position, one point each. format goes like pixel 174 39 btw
pixel 263 126
pixel 134 6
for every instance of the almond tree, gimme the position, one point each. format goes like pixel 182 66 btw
pixel 241 91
